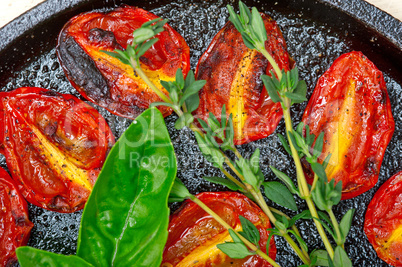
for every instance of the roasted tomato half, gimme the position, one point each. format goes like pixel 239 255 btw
pixel 54 144
pixel 106 81
pixel 15 226
pixel 193 234
pixel 350 104
pixel 233 72
pixel 383 222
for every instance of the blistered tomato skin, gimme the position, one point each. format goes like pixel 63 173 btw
pixel 383 221
pixel 350 104
pixel 233 72
pixel 193 234
pixel 55 146
pixel 15 225
pixel 106 81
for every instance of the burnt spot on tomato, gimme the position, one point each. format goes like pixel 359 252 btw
pixel 81 69
pixel 103 38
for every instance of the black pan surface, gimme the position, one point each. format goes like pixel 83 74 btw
pixel 317 32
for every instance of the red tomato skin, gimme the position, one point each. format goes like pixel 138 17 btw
pixel 15 226
pixel 224 63
pixel 370 129
pixel 383 217
pixel 190 219
pixel 115 88
pixel 50 141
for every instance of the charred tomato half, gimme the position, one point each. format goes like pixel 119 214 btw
pixel 383 221
pixel 15 225
pixel 106 81
pixel 350 104
pixel 54 145
pixel 193 234
pixel 233 72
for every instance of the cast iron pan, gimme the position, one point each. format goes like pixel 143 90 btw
pixel 317 32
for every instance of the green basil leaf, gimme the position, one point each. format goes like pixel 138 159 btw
pixel 346 223
pixel 125 220
pixel 321 257
pixel 29 256
pixel 251 232
pixel 280 194
pixel 341 259
pixel 223 181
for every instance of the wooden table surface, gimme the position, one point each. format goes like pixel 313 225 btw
pixel 9 9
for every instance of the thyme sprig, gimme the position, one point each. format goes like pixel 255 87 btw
pixel 285 87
